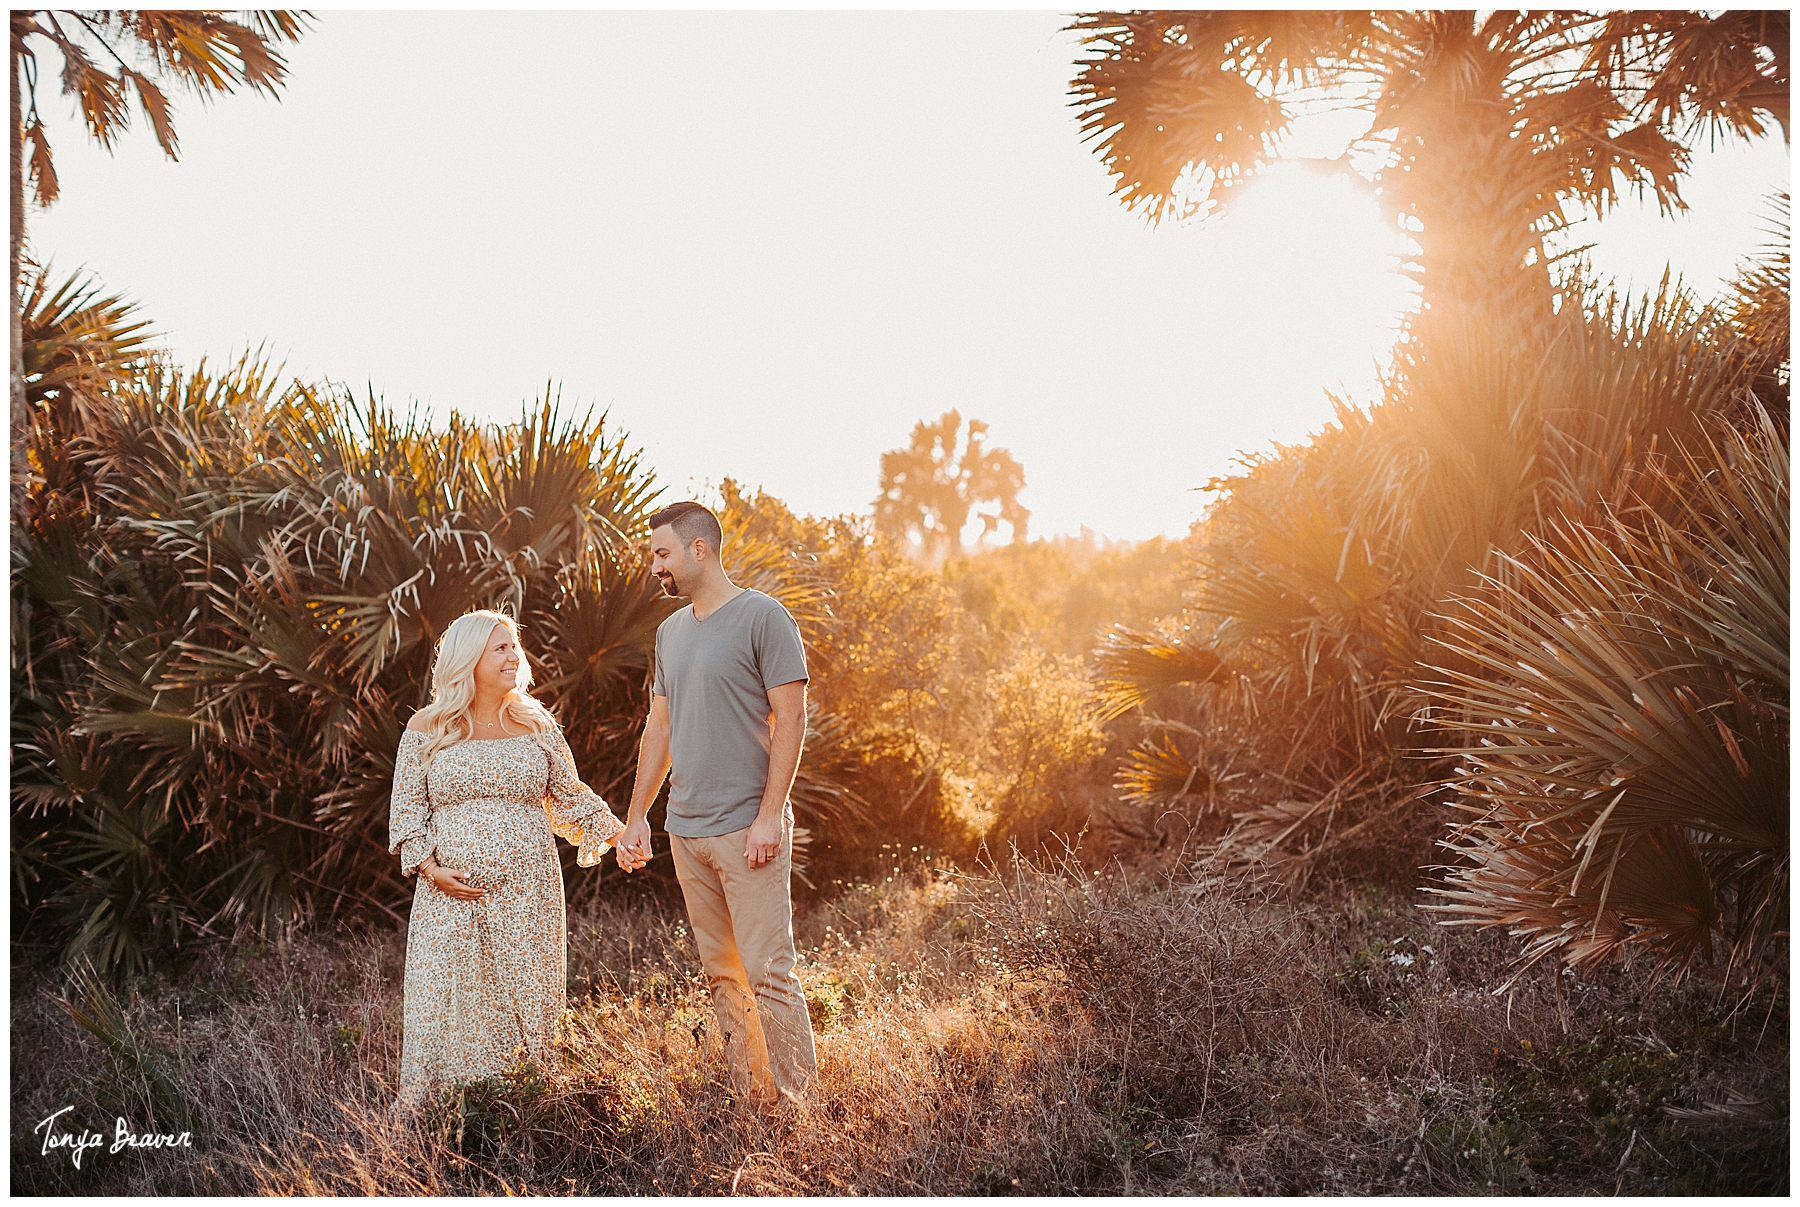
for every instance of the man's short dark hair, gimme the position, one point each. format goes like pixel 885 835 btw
pixel 691 521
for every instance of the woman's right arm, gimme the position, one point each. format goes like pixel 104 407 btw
pixel 409 807
pixel 410 832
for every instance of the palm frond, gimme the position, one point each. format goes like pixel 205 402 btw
pixel 1165 92
pixel 1155 774
pixel 1134 666
pixel 789 574
pixel 823 795
pixel 1760 316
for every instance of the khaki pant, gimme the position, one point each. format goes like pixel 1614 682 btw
pixel 743 922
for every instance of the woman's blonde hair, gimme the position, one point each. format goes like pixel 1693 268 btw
pixel 446 719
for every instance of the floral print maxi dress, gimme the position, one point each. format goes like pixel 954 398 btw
pixel 486 980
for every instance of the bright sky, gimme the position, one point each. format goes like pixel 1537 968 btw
pixel 768 244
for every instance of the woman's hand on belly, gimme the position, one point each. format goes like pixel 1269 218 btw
pixel 490 840
pixel 453 882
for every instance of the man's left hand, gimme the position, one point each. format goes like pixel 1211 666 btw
pixel 764 842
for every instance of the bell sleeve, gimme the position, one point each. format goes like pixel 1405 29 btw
pixel 577 814
pixel 409 807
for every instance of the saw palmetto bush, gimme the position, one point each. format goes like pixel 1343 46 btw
pixel 1291 690
pixel 1282 688
pixel 225 604
pixel 215 654
pixel 1624 732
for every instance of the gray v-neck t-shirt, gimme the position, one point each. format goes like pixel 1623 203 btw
pixel 716 675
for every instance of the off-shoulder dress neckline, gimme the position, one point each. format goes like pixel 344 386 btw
pixel 511 738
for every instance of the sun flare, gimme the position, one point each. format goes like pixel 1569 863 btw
pixel 1311 255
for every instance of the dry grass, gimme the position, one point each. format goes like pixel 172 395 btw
pixel 1024 1031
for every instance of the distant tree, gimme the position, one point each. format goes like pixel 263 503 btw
pixel 929 488
pixel 199 48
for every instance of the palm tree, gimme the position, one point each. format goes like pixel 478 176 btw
pixel 1483 125
pixel 201 49
pixel 929 488
pixel 1488 130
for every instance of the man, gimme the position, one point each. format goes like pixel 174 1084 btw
pixel 727 713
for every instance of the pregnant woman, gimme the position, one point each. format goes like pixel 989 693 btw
pixel 483 785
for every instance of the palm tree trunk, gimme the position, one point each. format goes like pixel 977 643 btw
pixel 1480 194
pixel 1483 254
pixel 1486 316
pixel 20 417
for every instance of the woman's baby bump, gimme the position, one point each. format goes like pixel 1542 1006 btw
pixel 492 840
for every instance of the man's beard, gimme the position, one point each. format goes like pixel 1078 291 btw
pixel 669 585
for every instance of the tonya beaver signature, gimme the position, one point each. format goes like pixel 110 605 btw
pixel 123 1137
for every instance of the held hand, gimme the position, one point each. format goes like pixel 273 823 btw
pixel 763 842
pixel 450 882
pixel 633 845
